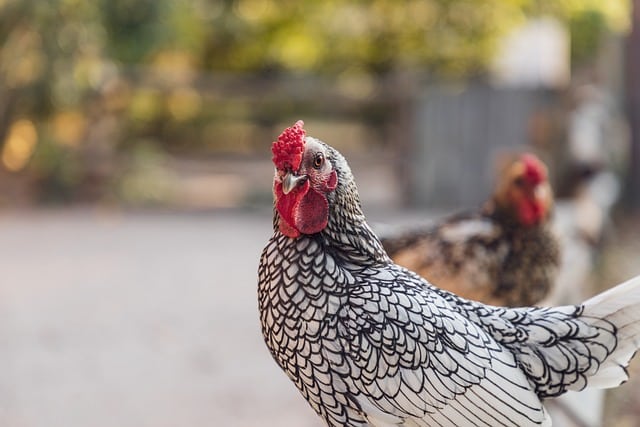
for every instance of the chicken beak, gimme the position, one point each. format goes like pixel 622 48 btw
pixel 541 192
pixel 291 181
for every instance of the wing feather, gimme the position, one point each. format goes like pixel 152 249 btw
pixel 559 348
pixel 423 363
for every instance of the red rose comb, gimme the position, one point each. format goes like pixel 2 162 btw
pixel 287 150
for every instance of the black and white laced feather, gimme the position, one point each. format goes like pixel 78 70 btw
pixel 369 343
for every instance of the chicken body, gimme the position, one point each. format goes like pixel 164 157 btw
pixel 369 343
pixel 482 257
pixel 497 255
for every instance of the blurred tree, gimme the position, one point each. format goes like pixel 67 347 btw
pixel 134 28
pixel 76 80
pixel 450 38
pixel 50 60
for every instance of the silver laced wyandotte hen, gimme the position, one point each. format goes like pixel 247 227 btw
pixel 369 343
pixel 503 254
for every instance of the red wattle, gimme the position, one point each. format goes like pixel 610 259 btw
pixel 286 206
pixel 287 230
pixel 311 215
pixel 303 210
pixel 530 213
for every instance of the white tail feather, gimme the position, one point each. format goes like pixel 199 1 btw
pixel 623 295
pixel 621 306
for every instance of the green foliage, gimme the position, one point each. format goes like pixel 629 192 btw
pixel 439 36
pixel 374 36
pixel 587 29
pixel 133 28
pixel 588 22
pixel 133 64
pixel 55 170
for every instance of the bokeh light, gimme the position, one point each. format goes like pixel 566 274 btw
pixel 19 145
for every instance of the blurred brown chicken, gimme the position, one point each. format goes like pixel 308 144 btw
pixel 504 254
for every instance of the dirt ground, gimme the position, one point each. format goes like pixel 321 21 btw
pixel 150 319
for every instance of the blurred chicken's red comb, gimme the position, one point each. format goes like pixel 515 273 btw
pixel 287 150
pixel 534 170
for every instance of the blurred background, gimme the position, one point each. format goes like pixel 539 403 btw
pixel 135 176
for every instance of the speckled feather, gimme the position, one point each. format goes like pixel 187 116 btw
pixel 504 253
pixel 482 255
pixel 368 343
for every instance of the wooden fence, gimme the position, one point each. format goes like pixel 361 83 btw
pixel 459 132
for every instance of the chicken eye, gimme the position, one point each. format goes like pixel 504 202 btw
pixel 519 181
pixel 318 161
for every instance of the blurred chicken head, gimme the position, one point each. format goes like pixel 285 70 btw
pixel 523 190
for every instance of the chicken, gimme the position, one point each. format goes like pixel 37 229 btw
pixel 370 343
pixel 503 254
